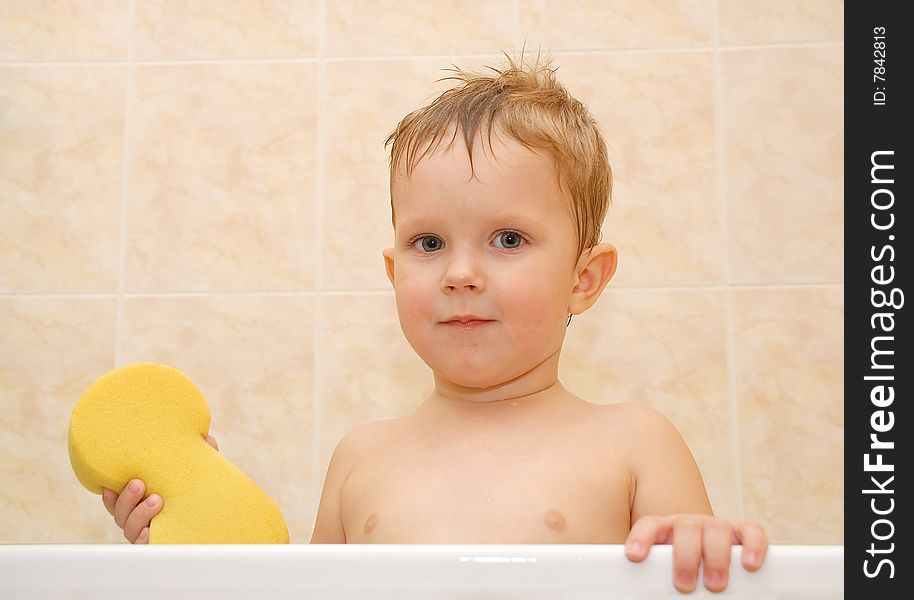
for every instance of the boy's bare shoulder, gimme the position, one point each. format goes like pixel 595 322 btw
pixel 364 438
pixel 636 419
pixel 667 479
pixel 628 426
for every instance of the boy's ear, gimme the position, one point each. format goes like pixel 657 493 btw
pixel 388 254
pixel 595 268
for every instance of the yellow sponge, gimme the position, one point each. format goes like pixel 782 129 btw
pixel 149 422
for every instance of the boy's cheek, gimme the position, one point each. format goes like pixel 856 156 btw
pixel 415 307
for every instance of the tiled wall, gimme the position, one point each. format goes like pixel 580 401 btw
pixel 203 183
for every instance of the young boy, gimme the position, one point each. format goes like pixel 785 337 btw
pixel 496 247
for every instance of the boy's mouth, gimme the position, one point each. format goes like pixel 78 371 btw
pixel 467 322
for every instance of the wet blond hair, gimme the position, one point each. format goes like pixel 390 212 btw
pixel 529 104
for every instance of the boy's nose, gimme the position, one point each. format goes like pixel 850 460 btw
pixel 462 274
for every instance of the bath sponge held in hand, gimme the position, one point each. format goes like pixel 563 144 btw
pixel 149 422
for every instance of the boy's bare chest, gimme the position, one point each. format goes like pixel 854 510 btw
pixel 508 492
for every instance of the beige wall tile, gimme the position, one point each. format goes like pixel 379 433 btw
pixel 63 29
pixel 368 371
pixel 225 29
pixel 52 350
pixel 782 127
pixel 252 358
pixel 590 24
pixel 665 349
pixel 221 178
pixel 656 113
pixel 390 27
pixel 364 102
pixel 61 165
pixel 788 369
pixel 780 21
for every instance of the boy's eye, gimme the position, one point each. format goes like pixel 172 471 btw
pixel 508 239
pixel 428 243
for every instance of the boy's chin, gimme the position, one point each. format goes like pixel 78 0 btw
pixel 472 378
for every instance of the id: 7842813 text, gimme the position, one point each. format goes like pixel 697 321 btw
pixel 879 77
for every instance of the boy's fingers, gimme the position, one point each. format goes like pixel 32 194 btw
pixel 130 496
pixel 646 532
pixel 143 538
pixel 108 499
pixel 212 442
pixel 139 519
pixel 686 552
pixel 755 545
pixel 716 549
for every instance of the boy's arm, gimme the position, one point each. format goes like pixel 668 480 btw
pixel 670 506
pixel 328 527
pixel 667 480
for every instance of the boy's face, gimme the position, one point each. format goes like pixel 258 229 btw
pixel 483 267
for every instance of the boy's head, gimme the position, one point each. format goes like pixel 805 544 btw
pixel 529 105
pixel 490 256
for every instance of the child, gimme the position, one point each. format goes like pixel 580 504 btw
pixel 496 247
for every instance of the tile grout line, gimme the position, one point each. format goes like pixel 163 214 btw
pixel 317 403
pixel 122 241
pixel 431 55
pixel 725 257
pixel 125 156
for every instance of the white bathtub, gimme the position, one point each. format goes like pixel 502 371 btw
pixel 401 572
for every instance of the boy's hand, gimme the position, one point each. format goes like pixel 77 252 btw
pixel 130 512
pixel 696 538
